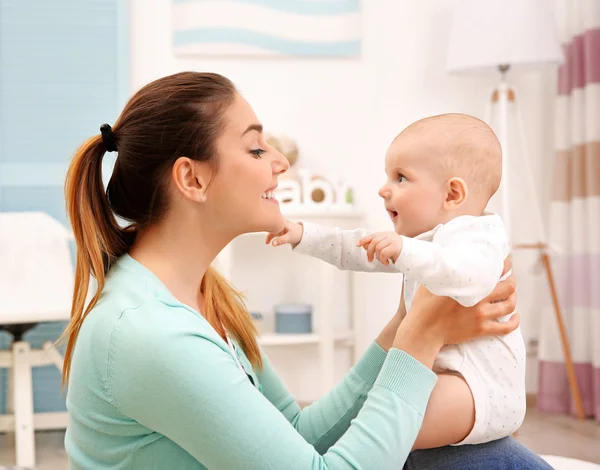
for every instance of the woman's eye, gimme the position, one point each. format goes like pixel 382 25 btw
pixel 257 152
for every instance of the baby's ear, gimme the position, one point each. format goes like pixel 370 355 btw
pixel 457 192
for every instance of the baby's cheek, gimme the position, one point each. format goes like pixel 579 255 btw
pixel 414 208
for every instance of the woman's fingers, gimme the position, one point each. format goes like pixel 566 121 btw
pixel 507 265
pixel 503 290
pixel 499 309
pixel 495 328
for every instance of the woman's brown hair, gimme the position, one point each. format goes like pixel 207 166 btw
pixel 174 116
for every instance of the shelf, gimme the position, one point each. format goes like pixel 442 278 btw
pixel 275 339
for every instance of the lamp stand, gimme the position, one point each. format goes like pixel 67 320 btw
pixel 503 95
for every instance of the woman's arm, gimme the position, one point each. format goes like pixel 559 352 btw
pixel 187 387
pixel 326 420
pixel 179 379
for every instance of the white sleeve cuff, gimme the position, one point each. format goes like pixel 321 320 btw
pixel 311 235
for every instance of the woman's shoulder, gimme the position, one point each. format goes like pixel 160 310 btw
pixel 140 339
pixel 159 318
pixel 129 324
pixel 138 307
pixel 137 321
pixel 155 324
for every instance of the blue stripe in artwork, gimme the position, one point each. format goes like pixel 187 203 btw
pixel 265 41
pixel 330 7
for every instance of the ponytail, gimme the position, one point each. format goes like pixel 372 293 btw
pixel 224 308
pixel 99 239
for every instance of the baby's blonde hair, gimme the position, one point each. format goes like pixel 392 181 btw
pixel 469 149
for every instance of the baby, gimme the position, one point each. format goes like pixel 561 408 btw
pixel 441 172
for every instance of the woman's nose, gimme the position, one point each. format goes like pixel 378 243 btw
pixel 280 163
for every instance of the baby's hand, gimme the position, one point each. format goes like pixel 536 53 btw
pixel 384 246
pixel 292 233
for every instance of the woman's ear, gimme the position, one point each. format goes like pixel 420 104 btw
pixel 457 193
pixel 191 178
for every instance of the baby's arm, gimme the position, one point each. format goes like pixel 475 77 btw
pixel 332 245
pixel 464 261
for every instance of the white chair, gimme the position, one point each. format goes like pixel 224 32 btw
pixel 36 282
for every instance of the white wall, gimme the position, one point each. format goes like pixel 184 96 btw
pixel 343 113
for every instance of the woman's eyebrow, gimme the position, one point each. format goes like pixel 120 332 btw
pixel 253 127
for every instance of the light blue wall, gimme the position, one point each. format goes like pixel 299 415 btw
pixel 63 72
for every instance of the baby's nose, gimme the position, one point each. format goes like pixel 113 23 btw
pixel 384 192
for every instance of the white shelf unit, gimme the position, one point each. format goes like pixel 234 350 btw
pixel 327 300
pixel 345 338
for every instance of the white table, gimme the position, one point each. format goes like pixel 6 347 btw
pixel 36 285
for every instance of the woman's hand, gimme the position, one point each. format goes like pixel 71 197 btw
pixel 433 321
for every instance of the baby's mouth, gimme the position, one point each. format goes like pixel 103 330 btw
pixel 393 214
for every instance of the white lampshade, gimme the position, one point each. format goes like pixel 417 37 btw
pixel 488 33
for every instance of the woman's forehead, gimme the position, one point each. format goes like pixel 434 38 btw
pixel 240 116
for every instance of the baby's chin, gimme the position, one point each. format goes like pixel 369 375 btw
pixel 411 232
pixel 403 231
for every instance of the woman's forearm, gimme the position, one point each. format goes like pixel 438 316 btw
pixel 387 335
pixel 420 343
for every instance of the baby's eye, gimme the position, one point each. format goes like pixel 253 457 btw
pixel 401 178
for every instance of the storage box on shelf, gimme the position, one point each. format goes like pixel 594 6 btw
pixel 271 276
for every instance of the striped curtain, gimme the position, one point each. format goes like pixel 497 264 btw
pixel 575 214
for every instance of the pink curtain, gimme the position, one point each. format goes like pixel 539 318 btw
pixel 575 215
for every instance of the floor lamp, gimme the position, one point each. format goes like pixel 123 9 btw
pixel 493 38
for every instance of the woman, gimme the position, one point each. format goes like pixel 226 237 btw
pixel 163 365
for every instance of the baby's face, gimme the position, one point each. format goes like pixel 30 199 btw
pixel 415 191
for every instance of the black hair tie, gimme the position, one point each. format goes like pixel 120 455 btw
pixel 108 138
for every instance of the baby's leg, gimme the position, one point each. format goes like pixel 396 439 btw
pixel 450 413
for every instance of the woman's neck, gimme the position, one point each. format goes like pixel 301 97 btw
pixel 179 257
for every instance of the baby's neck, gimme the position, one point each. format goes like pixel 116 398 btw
pixel 475 210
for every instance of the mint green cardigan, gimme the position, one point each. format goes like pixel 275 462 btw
pixel 153 386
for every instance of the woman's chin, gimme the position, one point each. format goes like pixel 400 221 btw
pixel 275 224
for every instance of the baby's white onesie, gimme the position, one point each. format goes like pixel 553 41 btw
pixel 462 259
